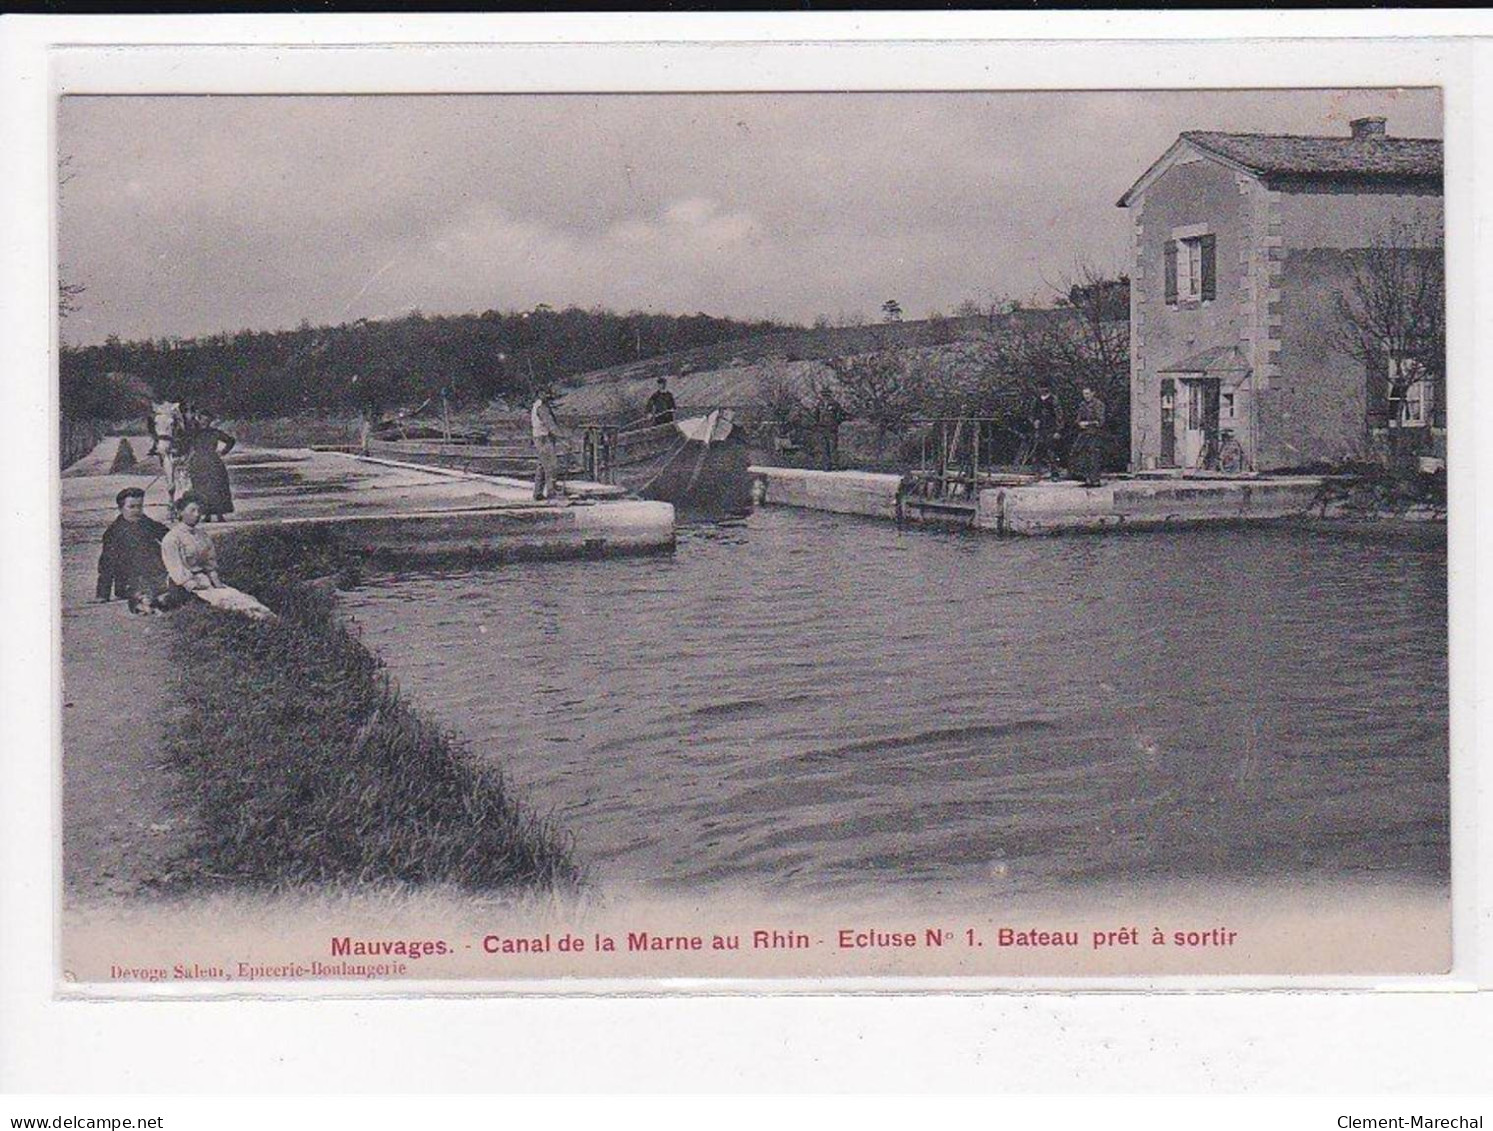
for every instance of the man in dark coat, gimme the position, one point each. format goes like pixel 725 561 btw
pixel 660 406
pixel 1046 417
pixel 130 565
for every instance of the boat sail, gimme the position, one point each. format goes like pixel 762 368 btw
pixel 698 463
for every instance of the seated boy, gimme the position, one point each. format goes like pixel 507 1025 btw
pixel 130 565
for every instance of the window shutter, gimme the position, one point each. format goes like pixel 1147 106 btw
pixel 1210 266
pixel 1436 390
pixel 1171 270
pixel 1377 390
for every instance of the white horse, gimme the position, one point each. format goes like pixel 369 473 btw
pixel 168 428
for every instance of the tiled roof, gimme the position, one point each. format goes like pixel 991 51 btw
pixel 1285 155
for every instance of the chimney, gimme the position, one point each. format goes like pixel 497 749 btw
pixel 1366 129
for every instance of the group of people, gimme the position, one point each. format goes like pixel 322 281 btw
pixel 191 448
pixel 1047 422
pixel 548 433
pixel 156 568
pixel 1047 426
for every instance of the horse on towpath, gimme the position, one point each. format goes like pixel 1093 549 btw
pixel 167 424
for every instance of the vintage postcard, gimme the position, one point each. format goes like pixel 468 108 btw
pixel 548 531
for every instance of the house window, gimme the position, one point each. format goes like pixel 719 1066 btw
pixel 1191 268
pixel 1409 393
pixel 1226 406
pixel 1190 278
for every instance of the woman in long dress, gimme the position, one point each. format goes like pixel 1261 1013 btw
pixel 1088 446
pixel 192 563
pixel 206 448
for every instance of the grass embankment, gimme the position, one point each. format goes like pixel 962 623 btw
pixel 304 765
pixel 1374 490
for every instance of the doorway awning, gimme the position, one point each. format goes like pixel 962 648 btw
pixel 1224 363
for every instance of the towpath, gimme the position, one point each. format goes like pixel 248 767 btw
pixel 119 825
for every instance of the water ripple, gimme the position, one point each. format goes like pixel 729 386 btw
pixel 822 703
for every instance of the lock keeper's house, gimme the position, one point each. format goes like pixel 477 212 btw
pixel 1244 246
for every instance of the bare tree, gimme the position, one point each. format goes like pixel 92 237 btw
pixel 779 411
pixel 780 397
pixel 1392 319
pixel 69 293
pixel 878 389
pixel 1083 340
pixel 1093 348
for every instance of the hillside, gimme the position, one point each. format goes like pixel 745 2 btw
pixel 731 373
pixel 378 366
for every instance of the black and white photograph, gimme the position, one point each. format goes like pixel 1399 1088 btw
pixel 919 552
pixel 752 536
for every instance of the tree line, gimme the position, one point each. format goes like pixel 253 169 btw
pixel 376 366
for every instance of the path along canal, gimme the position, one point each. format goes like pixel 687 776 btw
pixel 805 703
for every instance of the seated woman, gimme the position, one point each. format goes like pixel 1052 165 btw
pixel 192 563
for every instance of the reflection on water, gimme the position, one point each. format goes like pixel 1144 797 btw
pixel 802 701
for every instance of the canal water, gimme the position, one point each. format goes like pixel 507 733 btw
pixel 802 703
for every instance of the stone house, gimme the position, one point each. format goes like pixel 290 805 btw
pixel 1244 246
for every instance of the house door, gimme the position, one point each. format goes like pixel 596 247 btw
pixel 1168 423
pixel 1200 437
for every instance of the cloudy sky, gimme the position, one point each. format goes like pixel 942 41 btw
pixel 191 215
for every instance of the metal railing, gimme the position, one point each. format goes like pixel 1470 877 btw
pixel 958 456
pixel 599 453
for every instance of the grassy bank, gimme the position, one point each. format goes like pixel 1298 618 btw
pixel 304 765
pixel 1374 490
